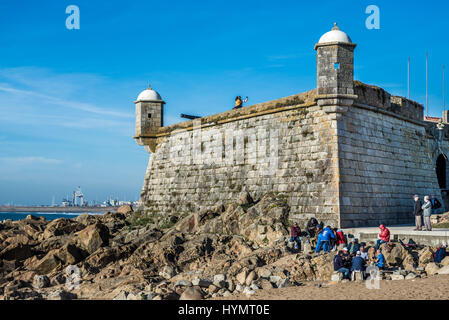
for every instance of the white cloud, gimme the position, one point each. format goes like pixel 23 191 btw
pixel 65 103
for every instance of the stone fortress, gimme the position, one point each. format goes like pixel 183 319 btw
pixel 347 153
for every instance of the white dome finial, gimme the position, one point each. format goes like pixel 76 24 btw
pixel 335 35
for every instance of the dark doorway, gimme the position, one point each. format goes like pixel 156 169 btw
pixel 441 171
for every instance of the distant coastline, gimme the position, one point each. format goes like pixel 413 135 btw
pixel 56 209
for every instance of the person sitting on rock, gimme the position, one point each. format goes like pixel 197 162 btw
pixel 435 203
pixel 440 254
pixel 296 236
pixel 346 258
pixel 384 236
pixel 327 235
pixel 358 263
pixel 319 241
pixel 380 260
pixel 364 254
pixel 353 247
pixel 334 239
pixel 239 102
pixel 341 238
pixel 311 227
pixel 320 225
pixel 339 265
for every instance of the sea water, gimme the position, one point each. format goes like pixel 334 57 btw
pixel 47 215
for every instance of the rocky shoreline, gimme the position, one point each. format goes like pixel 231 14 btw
pixel 215 252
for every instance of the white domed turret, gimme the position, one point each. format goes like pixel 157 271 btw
pixel 149 95
pixel 335 35
pixel 335 63
pixel 149 116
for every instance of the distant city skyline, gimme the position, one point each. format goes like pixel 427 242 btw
pixel 66 96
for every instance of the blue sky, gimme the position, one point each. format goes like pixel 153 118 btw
pixel 66 96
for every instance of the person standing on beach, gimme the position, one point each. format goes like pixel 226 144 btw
pixel 427 212
pixel 417 211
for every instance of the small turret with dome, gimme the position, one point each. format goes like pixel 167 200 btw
pixel 149 114
pixel 335 63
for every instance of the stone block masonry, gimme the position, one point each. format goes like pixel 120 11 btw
pixel 290 149
pixel 383 162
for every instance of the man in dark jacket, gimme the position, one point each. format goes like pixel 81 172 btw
pixel 295 236
pixel 311 227
pixel 339 265
pixel 358 263
pixel 417 211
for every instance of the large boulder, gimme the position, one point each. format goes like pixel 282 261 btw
pixel 263 223
pixel 192 293
pixel 432 268
pixel 394 254
pixel 32 229
pixel 444 270
pixel 70 254
pixel 93 237
pixel 126 209
pixel 61 295
pixel 425 256
pixel 114 221
pixel 87 219
pixel 16 251
pixel 45 265
pixel 61 226
pixel 324 266
pixel 445 261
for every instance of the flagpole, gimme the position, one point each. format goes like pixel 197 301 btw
pixel 427 86
pixel 408 79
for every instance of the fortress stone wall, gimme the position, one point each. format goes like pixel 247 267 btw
pixel 385 158
pixel 346 153
pixel 287 146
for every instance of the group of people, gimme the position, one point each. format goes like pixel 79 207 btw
pixel 346 262
pixel 423 211
pixel 328 239
pixel 353 257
